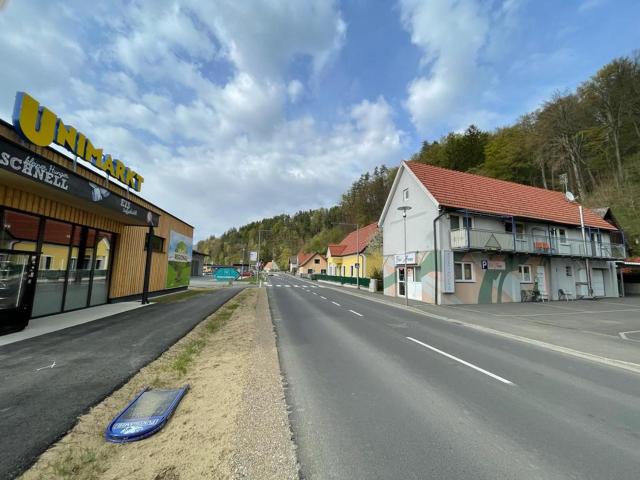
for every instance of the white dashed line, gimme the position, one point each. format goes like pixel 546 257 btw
pixel 470 365
pixel 335 303
pixel 324 298
pixel 359 314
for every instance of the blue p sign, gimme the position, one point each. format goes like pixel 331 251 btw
pixel 485 264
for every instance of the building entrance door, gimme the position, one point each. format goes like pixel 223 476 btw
pixel 541 279
pixel 17 282
pixel 597 282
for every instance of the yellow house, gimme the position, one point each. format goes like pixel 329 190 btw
pixel 342 259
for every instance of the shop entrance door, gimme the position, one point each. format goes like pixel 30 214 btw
pixel 17 282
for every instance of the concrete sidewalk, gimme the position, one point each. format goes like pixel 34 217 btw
pixel 53 323
pixel 608 329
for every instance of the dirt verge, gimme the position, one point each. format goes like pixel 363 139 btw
pixel 231 424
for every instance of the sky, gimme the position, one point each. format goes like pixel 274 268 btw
pixel 238 110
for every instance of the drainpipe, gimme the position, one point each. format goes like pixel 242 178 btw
pixel 435 251
pixel 586 258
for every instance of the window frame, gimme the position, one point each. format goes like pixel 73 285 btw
pixel 462 271
pixel 405 194
pixel 154 246
pixel 521 272
pixel 43 262
pixel 462 219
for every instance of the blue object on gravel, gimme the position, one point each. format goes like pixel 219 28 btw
pixel 144 415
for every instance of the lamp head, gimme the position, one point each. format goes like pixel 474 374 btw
pixel 404 209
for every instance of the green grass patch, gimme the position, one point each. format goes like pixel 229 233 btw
pixel 79 463
pixel 185 358
pixel 187 355
pixel 180 296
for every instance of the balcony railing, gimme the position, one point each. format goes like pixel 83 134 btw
pixel 488 240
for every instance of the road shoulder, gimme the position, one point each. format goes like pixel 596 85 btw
pixel 228 361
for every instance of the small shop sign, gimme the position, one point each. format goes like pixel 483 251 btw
pixel 494 264
pixel 409 260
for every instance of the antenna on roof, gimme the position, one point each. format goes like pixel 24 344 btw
pixel 569 196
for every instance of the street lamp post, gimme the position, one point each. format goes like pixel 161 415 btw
pixel 357 250
pixel 404 210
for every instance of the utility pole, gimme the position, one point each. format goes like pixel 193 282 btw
pixel 260 230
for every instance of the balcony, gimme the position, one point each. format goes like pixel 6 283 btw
pixel 494 241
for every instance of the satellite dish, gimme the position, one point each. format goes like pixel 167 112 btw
pixel 569 196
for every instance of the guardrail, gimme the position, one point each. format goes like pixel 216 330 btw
pixel 364 282
pixel 474 239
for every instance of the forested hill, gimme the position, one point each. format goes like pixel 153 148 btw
pixel 592 135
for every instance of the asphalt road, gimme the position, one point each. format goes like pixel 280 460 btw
pixel 377 392
pixel 38 405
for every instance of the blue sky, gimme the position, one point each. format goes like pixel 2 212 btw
pixel 233 111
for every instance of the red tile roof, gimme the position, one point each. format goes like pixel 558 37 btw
pixel 336 250
pixel 354 242
pixel 483 194
pixel 304 257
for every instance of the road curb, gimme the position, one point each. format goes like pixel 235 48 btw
pixel 611 362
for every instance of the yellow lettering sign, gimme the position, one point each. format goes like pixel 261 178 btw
pixel 42 127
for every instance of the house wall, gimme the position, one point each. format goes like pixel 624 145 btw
pixel 315 267
pixel 488 286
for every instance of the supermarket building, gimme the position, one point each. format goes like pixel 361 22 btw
pixel 74 232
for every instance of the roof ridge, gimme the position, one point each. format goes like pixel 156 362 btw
pixel 477 175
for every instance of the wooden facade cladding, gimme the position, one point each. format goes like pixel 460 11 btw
pixel 127 274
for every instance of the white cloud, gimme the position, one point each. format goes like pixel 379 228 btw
pixel 193 95
pixel 294 90
pixel 459 42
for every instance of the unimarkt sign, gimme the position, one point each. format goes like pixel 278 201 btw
pixel 42 127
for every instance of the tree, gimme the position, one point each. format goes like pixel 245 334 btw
pixel 507 156
pixel 561 122
pixel 608 94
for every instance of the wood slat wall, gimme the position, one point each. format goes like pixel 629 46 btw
pixel 130 256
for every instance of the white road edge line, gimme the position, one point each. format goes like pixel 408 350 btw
pixel 335 303
pixel 359 314
pixel 470 365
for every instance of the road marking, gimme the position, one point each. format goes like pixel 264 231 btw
pixel 288 286
pixel 624 335
pixel 313 293
pixel 359 314
pixel 324 298
pixel 335 303
pixel 48 366
pixel 470 365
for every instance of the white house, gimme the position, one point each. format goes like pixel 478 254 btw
pixel 495 241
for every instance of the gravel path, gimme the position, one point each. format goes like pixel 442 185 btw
pixel 265 449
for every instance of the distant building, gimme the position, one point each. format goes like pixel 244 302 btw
pixel 495 241
pixel 293 264
pixel 342 258
pixel 310 263
pixel 197 263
